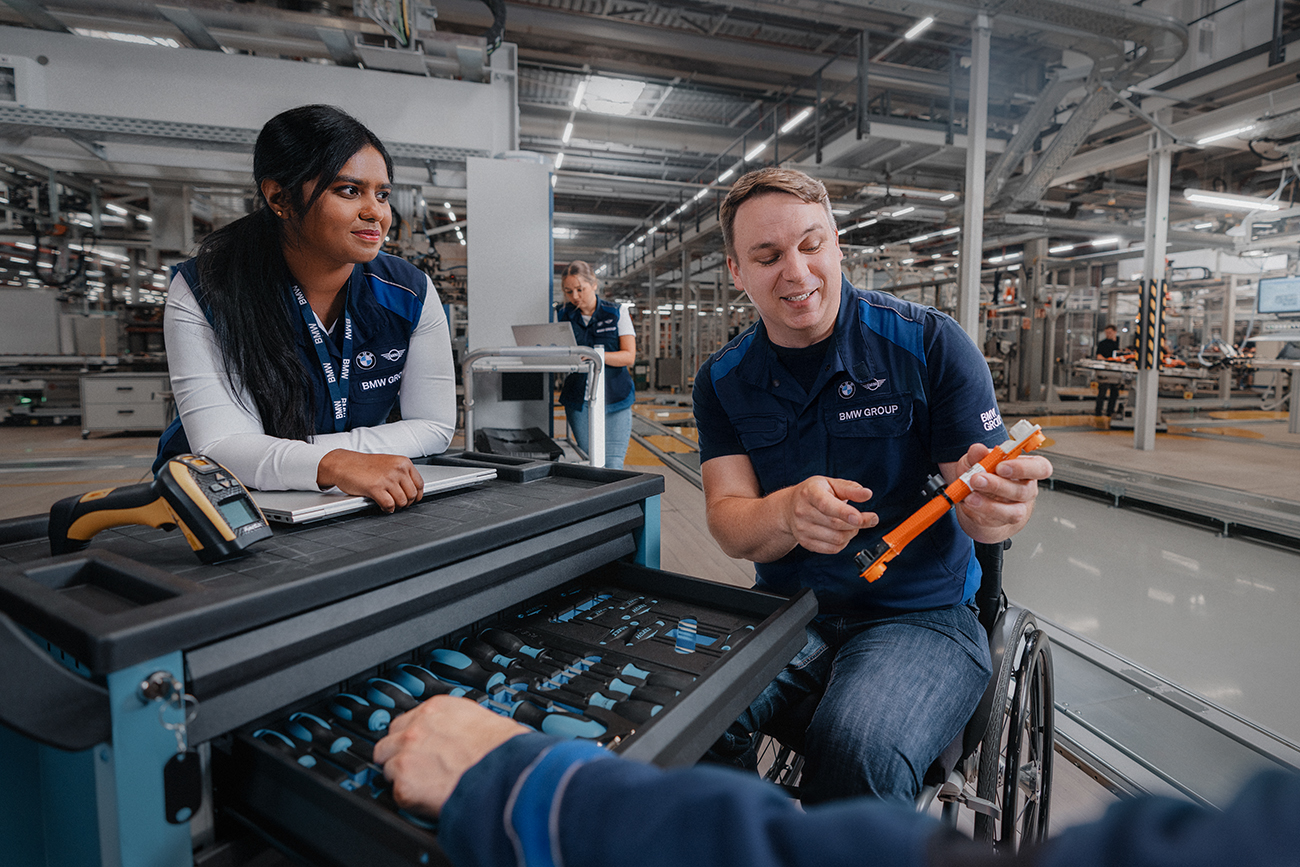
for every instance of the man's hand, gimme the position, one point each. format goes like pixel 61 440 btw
pixel 429 748
pixel 1000 502
pixel 818 515
pixel 392 481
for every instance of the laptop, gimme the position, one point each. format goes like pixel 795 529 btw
pixel 303 507
pixel 546 334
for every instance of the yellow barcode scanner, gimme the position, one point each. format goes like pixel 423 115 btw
pixel 212 508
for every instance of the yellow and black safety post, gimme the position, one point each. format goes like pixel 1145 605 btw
pixel 1150 326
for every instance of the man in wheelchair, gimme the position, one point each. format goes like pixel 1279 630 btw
pixel 819 428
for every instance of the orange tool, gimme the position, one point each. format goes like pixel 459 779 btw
pixel 1025 437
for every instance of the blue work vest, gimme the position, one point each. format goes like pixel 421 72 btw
pixel 602 330
pixel 385 298
pixel 901 390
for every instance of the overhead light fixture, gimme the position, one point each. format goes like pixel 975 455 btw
pixel 580 93
pixel 116 209
pixel 795 121
pixel 728 173
pixel 755 151
pixel 1203 226
pixel 1064 248
pixel 1219 136
pixel 568 132
pixel 861 225
pixel 144 218
pixel 559 160
pixel 948 198
pixel 1102 242
pixel 919 27
pixel 909 209
pixel 1228 200
pixel 701 194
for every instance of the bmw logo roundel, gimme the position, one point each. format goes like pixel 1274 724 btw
pixel 847 389
pixel 365 359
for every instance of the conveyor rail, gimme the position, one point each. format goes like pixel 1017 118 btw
pixel 685 464
pixel 1232 508
pixel 1142 733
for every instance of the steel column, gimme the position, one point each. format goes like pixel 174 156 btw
pixel 972 236
pixel 1145 410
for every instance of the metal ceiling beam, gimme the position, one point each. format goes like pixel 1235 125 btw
pixel 189 24
pixel 35 15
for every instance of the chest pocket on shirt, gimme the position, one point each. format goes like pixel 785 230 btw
pixel 888 415
pixel 766 442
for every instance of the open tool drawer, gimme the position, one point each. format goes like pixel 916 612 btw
pixel 331 816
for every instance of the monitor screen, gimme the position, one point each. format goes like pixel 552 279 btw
pixel 1279 295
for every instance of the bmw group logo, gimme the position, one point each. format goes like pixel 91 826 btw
pixel 847 389
pixel 365 359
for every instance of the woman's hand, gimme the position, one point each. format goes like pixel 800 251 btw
pixel 392 481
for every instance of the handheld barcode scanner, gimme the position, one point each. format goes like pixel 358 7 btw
pixel 1025 437
pixel 212 508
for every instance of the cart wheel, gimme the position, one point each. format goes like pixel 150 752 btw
pixel 1016 755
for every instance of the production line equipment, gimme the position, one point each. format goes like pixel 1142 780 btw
pixel 157 709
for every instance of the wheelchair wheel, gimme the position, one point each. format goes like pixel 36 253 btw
pixel 779 764
pixel 1015 763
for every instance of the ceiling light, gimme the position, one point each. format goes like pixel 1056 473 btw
pixel 1064 248
pixel 1228 200
pixel 1203 226
pixel 568 132
pixel 909 209
pixel 728 173
pixel 559 160
pixel 861 225
pixel 580 93
pixel 1101 242
pixel 116 209
pixel 1222 135
pixel 919 27
pixel 144 218
pixel 795 121
pixel 758 149
pixel 948 198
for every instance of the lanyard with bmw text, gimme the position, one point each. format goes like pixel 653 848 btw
pixel 338 385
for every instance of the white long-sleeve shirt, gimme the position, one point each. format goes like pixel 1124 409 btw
pixel 229 429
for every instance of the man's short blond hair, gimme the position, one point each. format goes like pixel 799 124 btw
pixel 770 180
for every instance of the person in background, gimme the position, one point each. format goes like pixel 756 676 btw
pixel 508 796
pixel 291 337
pixel 1107 392
pixel 597 322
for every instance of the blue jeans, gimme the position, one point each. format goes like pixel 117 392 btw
pixel 618 429
pixel 895 691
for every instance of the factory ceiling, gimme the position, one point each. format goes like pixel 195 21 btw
pixel 672 95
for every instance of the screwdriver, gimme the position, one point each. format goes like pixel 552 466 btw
pixel 630 709
pixel 454 666
pixel 424 684
pixel 385 693
pixel 321 738
pixel 360 713
pixel 508 642
pixel 587 684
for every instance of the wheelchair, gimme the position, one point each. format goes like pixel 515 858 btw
pixel 1000 765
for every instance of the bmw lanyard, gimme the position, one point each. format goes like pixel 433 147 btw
pixel 338 385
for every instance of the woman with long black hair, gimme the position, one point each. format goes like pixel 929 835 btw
pixel 291 337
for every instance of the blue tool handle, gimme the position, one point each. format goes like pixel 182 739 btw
pixel 559 724
pixel 422 683
pixel 387 694
pixel 508 642
pixel 315 731
pixel 456 666
pixel 356 709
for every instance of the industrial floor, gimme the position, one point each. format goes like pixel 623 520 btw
pixel 1213 614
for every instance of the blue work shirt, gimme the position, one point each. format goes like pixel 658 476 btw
pixel 902 389
pixel 385 298
pixel 600 330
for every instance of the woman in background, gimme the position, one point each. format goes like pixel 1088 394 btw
pixel 291 337
pixel 597 322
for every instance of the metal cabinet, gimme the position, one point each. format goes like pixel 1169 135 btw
pixel 125 401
